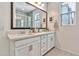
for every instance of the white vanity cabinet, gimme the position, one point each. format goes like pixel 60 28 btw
pixel 34 45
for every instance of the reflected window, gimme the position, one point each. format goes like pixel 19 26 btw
pixel 67 12
pixel 37 20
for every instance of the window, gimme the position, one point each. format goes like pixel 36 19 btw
pixel 67 13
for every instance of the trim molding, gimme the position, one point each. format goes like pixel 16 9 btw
pixel 48 51
pixel 75 54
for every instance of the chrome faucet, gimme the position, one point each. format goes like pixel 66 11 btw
pixel 33 30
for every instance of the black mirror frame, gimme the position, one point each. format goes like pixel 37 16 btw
pixel 29 27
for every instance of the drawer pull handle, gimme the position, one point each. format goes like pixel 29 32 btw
pixel 30 47
pixel 43 42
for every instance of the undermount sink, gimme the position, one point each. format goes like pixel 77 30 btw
pixel 29 34
pixel 24 34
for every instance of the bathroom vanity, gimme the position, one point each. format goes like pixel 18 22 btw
pixel 35 44
pixel 25 15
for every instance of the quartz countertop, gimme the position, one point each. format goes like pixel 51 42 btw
pixel 25 36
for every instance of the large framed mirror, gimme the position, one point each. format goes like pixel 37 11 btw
pixel 26 16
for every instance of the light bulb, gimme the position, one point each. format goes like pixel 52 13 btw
pixel 39 3
pixel 42 5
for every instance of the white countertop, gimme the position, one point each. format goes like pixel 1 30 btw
pixel 22 36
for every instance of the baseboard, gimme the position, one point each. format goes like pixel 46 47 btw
pixel 75 54
pixel 48 51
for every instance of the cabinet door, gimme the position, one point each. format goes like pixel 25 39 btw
pixel 43 44
pixel 34 48
pixel 27 50
pixel 50 41
pixel 21 51
pixel 37 48
pixel 30 49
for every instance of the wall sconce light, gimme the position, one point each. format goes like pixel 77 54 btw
pixel 51 19
pixel 42 5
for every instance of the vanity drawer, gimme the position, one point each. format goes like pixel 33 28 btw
pixel 26 41
pixel 51 35
pixel 43 37
pixel 43 43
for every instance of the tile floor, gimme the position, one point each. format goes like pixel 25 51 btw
pixel 58 52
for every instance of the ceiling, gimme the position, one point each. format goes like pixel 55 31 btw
pixel 22 6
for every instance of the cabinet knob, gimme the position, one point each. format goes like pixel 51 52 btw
pixel 51 38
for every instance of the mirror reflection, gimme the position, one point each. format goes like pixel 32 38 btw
pixel 28 16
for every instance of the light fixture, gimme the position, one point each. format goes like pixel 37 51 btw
pixel 40 4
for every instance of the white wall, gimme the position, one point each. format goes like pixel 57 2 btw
pixel 52 12
pixel 4 27
pixel 67 36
